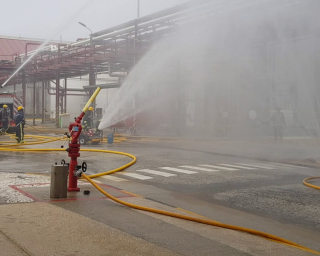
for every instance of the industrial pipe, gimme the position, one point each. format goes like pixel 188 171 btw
pixel 63 89
pixel 68 94
pixel 116 74
pixel 102 86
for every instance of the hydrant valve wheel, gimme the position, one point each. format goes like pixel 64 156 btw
pixel 84 166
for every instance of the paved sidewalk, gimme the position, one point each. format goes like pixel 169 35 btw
pixel 41 227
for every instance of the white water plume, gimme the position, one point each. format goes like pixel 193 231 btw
pixel 226 73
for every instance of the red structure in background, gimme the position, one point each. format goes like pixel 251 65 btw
pixel 12 47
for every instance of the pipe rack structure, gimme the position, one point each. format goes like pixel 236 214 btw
pixel 119 45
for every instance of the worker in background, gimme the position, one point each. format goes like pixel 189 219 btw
pixel 19 119
pixel 88 119
pixel 278 122
pixel 5 118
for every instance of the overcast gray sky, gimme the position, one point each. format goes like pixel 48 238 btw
pixel 51 18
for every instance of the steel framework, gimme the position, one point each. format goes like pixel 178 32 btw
pixel 118 48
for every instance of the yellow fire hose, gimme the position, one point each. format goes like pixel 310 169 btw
pixel 35 139
pixel 203 221
pixel 175 215
pixel 311 185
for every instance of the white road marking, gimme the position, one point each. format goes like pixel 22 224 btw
pixel 136 175
pixel 289 165
pixel 113 178
pixel 164 174
pixel 219 167
pixel 268 165
pixel 277 166
pixel 238 166
pixel 178 170
pixel 199 168
pixel 258 166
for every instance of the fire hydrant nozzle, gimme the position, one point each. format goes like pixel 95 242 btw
pixel 91 100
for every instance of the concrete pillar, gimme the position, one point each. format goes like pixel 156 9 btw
pixel 92 79
pixel 24 88
pixel 65 96
pixel 57 98
pixel 43 112
pixel 34 100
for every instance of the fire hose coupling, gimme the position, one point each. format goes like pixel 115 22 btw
pixel 80 169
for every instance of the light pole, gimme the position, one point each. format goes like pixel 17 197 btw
pixel 134 103
pixel 91 70
pixel 84 25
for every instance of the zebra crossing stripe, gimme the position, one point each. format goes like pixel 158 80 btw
pixel 213 168
pixel 199 168
pixel 277 166
pixel 136 175
pixel 288 165
pixel 113 178
pixel 258 166
pixel 178 170
pixel 219 167
pixel 268 165
pixel 164 174
pixel 238 166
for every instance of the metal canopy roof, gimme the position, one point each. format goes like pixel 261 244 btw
pixel 11 48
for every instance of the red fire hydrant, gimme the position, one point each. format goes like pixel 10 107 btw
pixel 74 148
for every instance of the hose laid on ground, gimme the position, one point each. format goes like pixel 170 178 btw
pixel 115 170
pixel 175 215
pixel 38 140
pixel 29 125
pixel 203 221
pixel 311 185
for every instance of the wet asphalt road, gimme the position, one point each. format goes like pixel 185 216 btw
pixel 268 198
